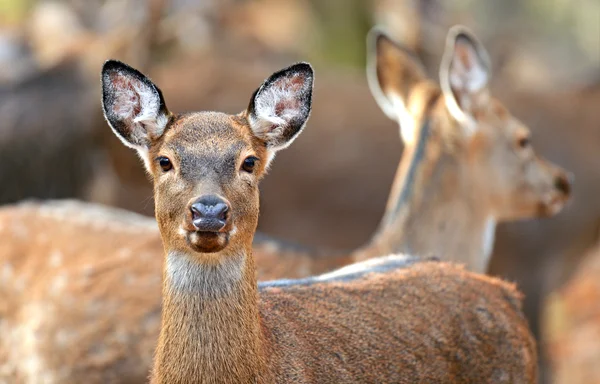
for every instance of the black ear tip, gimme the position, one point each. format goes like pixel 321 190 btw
pixel 302 67
pixel 114 65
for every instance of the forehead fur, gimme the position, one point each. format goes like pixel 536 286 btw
pixel 206 131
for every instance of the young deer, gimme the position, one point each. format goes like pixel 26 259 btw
pixel 467 163
pixel 427 321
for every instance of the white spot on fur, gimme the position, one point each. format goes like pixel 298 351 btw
pixel 29 346
pixel 489 233
pixel 20 230
pixel 7 271
pixel 408 125
pixel 64 337
pixel 270 246
pixel 55 259
pixel 129 279
pixel 58 284
pixel 125 253
pixel 188 275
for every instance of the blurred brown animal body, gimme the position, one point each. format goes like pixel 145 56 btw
pixel 217 328
pixel 572 325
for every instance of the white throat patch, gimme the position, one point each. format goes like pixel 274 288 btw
pixel 188 276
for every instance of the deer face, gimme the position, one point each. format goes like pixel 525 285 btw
pixel 500 166
pixel 516 182
pixel 206 165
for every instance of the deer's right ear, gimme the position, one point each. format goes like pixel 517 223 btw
pixel 464 76
pixel 133 106
pixel 392 74
pixel 279 109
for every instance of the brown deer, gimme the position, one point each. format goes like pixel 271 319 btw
pixel 470 167
pixel 384 320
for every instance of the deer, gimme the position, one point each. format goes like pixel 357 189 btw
pixel 91 224
pixel 471 167
pixel 219 325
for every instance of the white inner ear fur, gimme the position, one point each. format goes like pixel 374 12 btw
pixel 465 78
pixel 278 104
pixel 130 95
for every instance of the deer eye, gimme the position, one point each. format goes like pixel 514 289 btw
pixel 165 163
pixel 249 164
pixel 524 142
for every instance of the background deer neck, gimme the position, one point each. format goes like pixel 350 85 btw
pixel 210 323
pixel 434 208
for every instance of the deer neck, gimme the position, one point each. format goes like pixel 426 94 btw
pixel 210 323
pixel 434 208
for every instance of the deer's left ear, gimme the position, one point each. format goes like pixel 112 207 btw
pixel 464 76
pixel 279 109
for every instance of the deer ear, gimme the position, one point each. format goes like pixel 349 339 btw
pixel 279 109
pixel 393 72
pixel 133 106
pixel 464 76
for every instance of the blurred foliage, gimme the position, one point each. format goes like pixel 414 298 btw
pixel 14 11
pixel 343 25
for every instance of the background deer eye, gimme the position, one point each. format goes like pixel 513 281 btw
pixel 249 163
pixel 524 142
pixel 165 163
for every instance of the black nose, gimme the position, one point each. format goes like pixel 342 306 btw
pixel 563 183
pixel 209 213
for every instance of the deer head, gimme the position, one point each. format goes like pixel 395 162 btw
pixel 206 165
pixel 493 147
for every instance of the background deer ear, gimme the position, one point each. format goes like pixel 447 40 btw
pixel 393 72
pixel 280 108
pixel 133 105
pixel 464 76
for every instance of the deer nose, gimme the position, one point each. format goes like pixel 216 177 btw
pixel 563 183
pixel 209 213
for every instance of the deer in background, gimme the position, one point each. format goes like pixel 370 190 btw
pixel 219 326
pixel 109 237
pixel 470 167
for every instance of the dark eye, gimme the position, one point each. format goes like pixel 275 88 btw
pixel 165 163
pixel 524 142
pixel 249 163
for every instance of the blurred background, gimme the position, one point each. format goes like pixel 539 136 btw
pixel 329 189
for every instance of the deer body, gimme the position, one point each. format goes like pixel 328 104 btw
pixel 280 337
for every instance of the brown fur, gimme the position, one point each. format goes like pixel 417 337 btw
pixel 572 325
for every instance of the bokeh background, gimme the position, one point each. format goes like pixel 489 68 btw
pixel 329 189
